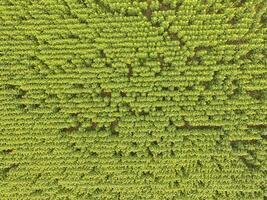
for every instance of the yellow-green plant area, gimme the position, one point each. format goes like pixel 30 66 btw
pixel 133 99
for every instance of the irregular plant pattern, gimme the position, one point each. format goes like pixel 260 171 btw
pixel 127 99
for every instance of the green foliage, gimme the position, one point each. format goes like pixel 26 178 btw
pixel 131 99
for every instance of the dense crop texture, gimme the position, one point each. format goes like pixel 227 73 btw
pixel 127 99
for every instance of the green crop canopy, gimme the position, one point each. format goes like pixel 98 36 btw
pixel 133 100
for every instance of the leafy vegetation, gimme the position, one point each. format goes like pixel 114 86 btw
pixel 133 99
